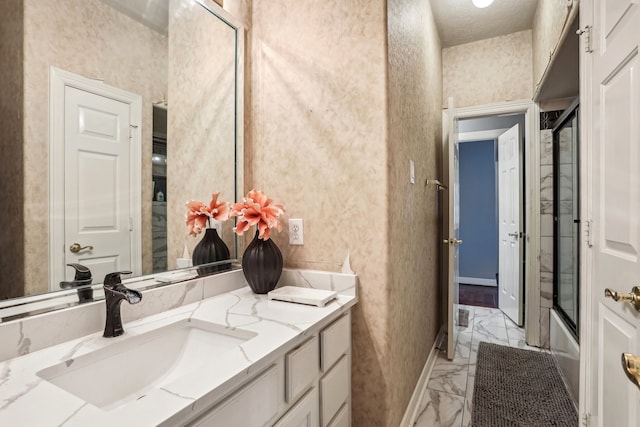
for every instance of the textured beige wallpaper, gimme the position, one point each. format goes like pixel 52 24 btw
pixel 488 71
pixel 331 142
pixel 415 132
pixel 201 119
pixel 88 38
pixel 318 144
pixel 547 27
pixel 11 150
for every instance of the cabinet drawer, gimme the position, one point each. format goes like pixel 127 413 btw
pixel 342 417
pixel 301 366
pixel 304 414
pixel 334 389
pixel 254 405
pixel 335 340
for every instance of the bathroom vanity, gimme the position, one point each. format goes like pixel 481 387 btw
pixel 204 352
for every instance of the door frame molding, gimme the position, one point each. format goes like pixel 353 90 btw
pixel 531 112
pixel 58 80
pixel 587 298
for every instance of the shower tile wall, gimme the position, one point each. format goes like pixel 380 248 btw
pixel 547 120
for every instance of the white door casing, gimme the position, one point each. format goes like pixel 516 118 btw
pixel 531 206
pixel 94 177
pixel 452 225
pixel 510 284
pixel 610 101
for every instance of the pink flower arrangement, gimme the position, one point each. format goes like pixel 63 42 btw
pixel 257 209
pixel 199 215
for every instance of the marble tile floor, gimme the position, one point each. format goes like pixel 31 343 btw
pixel 448 395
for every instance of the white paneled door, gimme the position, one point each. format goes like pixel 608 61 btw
pixel 97 177
pixel 611 326
pixel 510 283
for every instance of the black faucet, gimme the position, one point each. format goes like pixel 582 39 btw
pixel 82 280
pixel 114 293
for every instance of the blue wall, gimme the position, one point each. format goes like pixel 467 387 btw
pixel 478 210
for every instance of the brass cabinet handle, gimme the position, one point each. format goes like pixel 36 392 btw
pixel 633 298
pixel 631 367
pixel 75 248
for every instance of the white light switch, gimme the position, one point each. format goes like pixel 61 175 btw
pixel 296 231
pixel 412 172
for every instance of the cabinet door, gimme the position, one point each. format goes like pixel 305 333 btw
pixel 254 405
pixel 301 367
pixel 335 387
pixel 335 341
pixel 305 413
pixel 342 418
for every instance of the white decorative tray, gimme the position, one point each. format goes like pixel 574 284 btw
pixel 175 276
pixel 309 296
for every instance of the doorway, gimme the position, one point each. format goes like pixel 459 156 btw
pixel 491 249
pixel 95 182
pixel 530 196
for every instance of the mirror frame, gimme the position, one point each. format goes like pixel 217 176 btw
pixel 16 308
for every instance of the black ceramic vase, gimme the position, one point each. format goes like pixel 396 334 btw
pixel 211 248
pixel 262 265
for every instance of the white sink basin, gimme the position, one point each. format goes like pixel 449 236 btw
pixel 127 369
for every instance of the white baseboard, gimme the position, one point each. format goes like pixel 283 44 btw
pixel 411 412
pixel 478 281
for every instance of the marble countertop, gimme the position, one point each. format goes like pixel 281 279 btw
pixel 27 399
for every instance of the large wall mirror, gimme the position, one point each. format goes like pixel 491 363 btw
pixel 114 113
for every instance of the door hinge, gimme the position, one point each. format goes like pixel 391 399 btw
pixel 586 419
pixel 131 128
pixel 588 225
pixel 587 37
pixel 130 224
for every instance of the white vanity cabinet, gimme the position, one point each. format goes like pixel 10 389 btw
pixel 335 383
pixel 251 406
pixel 305 413
pixel 307 386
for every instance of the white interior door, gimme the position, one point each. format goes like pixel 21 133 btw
pixel 452 225
pixel 97 181
pixel 511 293
pixel 613 201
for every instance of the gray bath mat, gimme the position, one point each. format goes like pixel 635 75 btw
pixel 515 387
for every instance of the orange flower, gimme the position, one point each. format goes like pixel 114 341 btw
pixel 199 215
pixel 257 209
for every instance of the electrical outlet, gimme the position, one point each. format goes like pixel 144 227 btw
pixel 296 232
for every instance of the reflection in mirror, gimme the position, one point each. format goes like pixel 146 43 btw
pixel 112 118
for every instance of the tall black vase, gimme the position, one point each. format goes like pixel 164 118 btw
pixel 262 265
pixel 211 248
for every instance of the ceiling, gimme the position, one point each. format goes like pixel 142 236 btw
pixel 459 21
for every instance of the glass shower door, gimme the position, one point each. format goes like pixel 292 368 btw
pixel 567 218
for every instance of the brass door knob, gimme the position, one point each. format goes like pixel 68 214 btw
pixel 631 367
pixel 75 248
pixel 633 298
